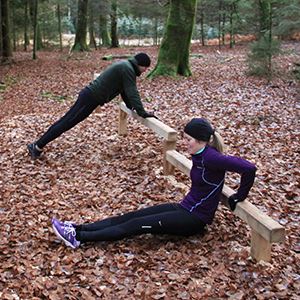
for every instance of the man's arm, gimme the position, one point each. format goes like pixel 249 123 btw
pixel 131 96
pixel 126 100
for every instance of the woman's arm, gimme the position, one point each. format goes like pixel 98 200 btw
pixel 235 164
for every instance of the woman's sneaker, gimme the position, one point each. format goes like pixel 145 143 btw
pixel 66 232
pixel 33 151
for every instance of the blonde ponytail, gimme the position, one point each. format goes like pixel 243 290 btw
pixel 217 142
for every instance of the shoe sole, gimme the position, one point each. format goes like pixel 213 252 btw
pixel 67 243
pixel 31 153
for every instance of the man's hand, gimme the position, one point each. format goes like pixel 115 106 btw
pixel 232 201
pixel 149 115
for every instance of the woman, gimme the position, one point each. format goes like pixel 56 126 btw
pixel 195 210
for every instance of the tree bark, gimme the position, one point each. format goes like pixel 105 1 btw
pixel 59 25
pixel 264 22
pixel 35 28
pixel 114 34
pixel 220 23
pixel 140 29
pixel 223 27
pixel 155 38
pixel 270 37
pixel 13 27
pixel 1 44
pixel 91 27
pixel 26 39
pixel 5 24
pixel 37 31
pixel 233 11
pixel 202 28
pixel 104 35
pixel 81 30
pixel 173 57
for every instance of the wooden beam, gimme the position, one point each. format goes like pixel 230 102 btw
pixel 258 221
pixel 157 126
pixel 269 229
pixel 111 57
pixel 96 75
pixel 179 161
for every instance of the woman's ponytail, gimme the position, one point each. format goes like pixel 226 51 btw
pixel 217 142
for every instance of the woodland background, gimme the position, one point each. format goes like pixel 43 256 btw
pixel 91 172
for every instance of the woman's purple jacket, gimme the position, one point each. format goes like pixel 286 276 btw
pixel 207 176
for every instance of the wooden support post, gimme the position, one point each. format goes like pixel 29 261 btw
pixel 122 130
pixel 260 247
pixel 168 168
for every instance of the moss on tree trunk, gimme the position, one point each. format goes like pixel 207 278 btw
pixel 173 57
pixel 105 38
pixel 81 30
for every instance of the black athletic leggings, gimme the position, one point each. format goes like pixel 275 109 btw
pixel 81 109
pixel 168 218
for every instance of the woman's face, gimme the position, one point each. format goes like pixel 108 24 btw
pixel 192 145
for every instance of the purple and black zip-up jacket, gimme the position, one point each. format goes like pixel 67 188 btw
pixel 207 176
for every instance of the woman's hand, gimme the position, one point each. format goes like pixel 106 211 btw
pixel 232 201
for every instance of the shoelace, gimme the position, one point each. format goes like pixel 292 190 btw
pixel 69 229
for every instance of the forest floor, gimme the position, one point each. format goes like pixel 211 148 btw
pixel 91 173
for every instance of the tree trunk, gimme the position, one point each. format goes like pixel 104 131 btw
pixel 39 38
pixel 59 26
pixel 1 44
pixel 233 11
pixel 35 28
pixel 26 39
pixel 173 57
pixel 231 29
pixel 14 37
pixel 155 39
pixel 91 27
pixel 33 4
pixel 202 28
pixel 140 30
pixel 81 30
pixel 6 41
pixel 104 35
pixel 223 28
pixel 220 23
pixel 114 34
pixel 264 22
pixel 270 38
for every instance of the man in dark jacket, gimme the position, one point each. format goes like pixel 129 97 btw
pixel 118 79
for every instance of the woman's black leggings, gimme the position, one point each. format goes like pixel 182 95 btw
pixel 81 109
pixel 168 218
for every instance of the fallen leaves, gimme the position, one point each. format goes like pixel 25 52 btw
pixel 91 173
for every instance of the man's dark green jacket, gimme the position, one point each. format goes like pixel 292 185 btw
pixel 119 78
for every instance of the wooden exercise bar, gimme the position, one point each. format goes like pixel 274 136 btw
pixel 157 126
pixel 264 229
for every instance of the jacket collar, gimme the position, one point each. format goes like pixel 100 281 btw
pixel 135 66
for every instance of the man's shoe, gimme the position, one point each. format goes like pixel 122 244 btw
pixel 66 233
pixel 33 152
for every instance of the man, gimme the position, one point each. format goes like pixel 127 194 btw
pixel 117 79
